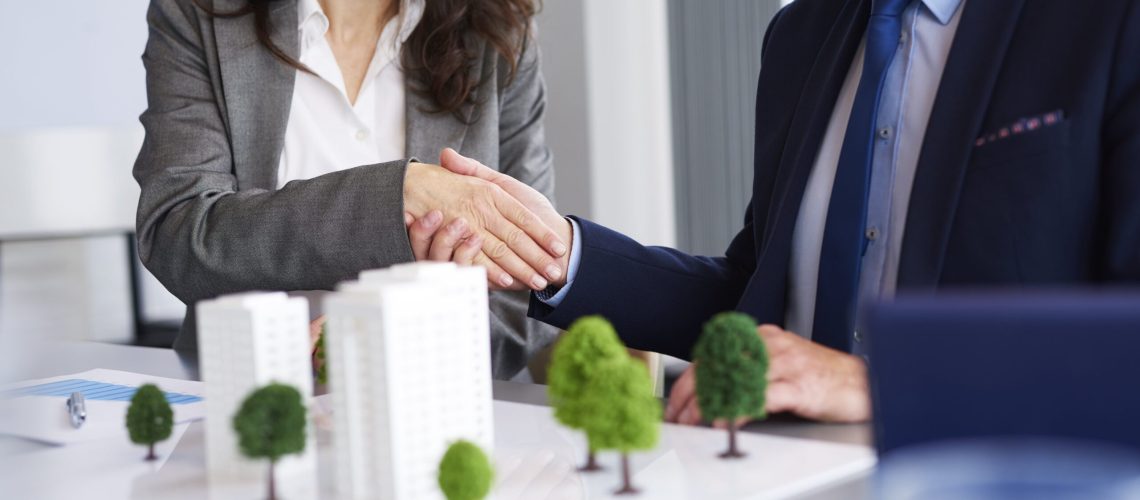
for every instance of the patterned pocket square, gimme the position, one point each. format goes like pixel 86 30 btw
pixel 1022 126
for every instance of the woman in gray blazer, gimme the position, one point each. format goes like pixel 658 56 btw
pixel 278 139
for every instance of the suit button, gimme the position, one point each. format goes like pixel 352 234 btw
pixel 858 337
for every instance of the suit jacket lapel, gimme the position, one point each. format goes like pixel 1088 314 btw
pixel 258 89
pixel 813 112
pixel 984 34
pixel 429 131
pixel 765 296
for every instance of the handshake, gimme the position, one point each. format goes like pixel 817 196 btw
pixel 464 212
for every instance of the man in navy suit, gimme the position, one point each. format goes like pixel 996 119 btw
pixel 901 146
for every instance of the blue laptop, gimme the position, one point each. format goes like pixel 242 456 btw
pixel 1056 364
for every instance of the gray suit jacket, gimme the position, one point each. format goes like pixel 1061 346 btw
pixel 210 220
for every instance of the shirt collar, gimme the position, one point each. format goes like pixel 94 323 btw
pixel 310 11
pixel 943 10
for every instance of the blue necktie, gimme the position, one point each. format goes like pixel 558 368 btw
pixel 843 238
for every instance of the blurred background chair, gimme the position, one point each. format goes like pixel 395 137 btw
pixel 71 264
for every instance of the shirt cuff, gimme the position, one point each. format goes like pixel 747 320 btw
pixel 553 296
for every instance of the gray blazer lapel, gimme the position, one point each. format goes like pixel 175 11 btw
pixel 258 90
pixel 429 132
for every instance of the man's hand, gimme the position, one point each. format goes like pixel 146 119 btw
pixel 515 244
pixel 804 378
pixel 432 240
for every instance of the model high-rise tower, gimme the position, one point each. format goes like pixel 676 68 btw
pixel 246 341
pixel 409 372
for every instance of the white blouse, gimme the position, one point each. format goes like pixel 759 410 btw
pixel 326 133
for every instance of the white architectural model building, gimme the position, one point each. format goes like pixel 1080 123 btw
pixel 246 341
pixel 409 372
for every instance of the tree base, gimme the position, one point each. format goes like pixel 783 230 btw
pixel 627 490
pixel 591 464
pixel 732 455
pixel 591 467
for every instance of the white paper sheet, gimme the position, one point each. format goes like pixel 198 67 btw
pixel 45 418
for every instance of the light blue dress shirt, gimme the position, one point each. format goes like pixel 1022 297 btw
pixel 904 114
pixel 552 296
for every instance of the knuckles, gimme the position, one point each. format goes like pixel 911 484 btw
pixel 497 250
pixel 513 238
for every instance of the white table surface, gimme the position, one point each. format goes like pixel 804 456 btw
pixel 535 458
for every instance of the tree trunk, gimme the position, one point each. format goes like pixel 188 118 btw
pixel 272 482
pixel 150 452
pixel 591 462
pixel 732 452
pixel 627 487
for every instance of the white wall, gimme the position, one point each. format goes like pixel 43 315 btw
pixel 72 63
pixel 606 65
pixel 563 41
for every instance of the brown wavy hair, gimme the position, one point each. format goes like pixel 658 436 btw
pixel 440 54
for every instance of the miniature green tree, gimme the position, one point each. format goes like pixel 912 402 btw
pixel 465 472
pixel 149 418
pixel 589 342
pixel 271 424
pixel 626 415
pixel 732 369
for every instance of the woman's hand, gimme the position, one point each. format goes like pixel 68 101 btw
pixel 433 240
pixel 453 243
pixel 517 248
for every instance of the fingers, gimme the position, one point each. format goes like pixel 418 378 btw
pixel 455 242
pixel 738 423
pixel 421 233
pixel 776 339
pixel 683 390
pixel 690 414
pixel 506 255
pixel 781 397
pixel 444 244
pixel 683 406
pixel 496 277
pixel 468 250
pixel 457 163
pixel 517 240
pixel 519 215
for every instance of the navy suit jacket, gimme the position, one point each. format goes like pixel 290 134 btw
pixel 1054 206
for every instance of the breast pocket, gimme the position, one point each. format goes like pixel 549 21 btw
pixel 1005 146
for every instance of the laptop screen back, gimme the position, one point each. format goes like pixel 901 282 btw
pixel 1044 364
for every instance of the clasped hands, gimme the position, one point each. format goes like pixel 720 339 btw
pixel 513 231
pixel 465 212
